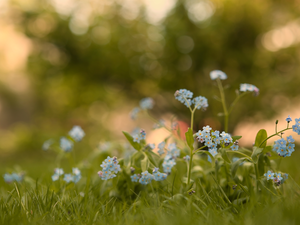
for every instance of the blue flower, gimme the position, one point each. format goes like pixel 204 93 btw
pixel 134 113
pixel 134 178
pixel 290 139
pixel 59 171
pixel 200 102
pixel 68 178
pixel 8 178
pixel 47 144
pixel 249 87
pixel 285 177
pixel 65 144
pixel 173 151
pixel 234 147
pixel 269 175
pixel 207 129
pixel 296 127
pixel 140 136
pixel 168 164
pixel 288 119
pixel 55 177
pixel 226 137
pixel 110 168
pixel 278 176
pixel 161 147
pixel 146 178
pixel 218 74
pixel 76 133
pixel 158 176
pixel 216 133
pixel 213 151
pixel 146 103
pixel 184 96
pixel 187 158
pixel 77 174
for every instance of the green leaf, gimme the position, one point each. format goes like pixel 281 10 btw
pixel 260 137
pixel 136 145
pixel 145 163
pixel 189 138
pixel 234 138
pixel 224 155
pixel 256 152
pixel 261 165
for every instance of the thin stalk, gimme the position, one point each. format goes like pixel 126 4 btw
pixel 221 89
pixel 274 135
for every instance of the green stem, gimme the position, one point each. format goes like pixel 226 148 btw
pixel 274 135
pixel 224 104
pixel 190 169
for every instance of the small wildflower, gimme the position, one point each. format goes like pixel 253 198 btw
pixel 234 147
pixel 140 136
pixel 8 178
pixel 158 176
pixel 65 144
pixel 296 127
pixel 249 87
pixel 161 147
pixel 146 103
pixel 110 167
pixel 134 178
pixel 200 102
pixel 187 158
pixel 146 178
pixel 218 74
pixel 68 178
pixel 184 96
pixel 269 175
pixel 288 119
pixel 234 187
pixel 76 133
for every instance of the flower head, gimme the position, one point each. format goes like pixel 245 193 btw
pixel 184 96
pixel 65 144
pixel 76 133
pixel 146 103
pixel 218 74
pixel 200 102
pixel 269 175
pixel 288 119
pixel 249 87
pixel 161 147
pixel 110 167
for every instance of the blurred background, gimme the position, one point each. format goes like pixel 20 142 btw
pixel 89 62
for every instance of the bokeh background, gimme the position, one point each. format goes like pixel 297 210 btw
pixel 89 62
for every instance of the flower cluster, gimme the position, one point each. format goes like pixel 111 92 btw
pixel 184 96
pixel 249 87
pixel 145 103
pixel 212 139
pixel 110 167
pixel 296 127
pixel 76 133
pixel 147 177
pixel 8 178
pixel 161 147
pixel 75 176
pixel 277 178
pixel 65 144
pixel 284 147
pixel 169 161
pixel 218 74
pixel 139 136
